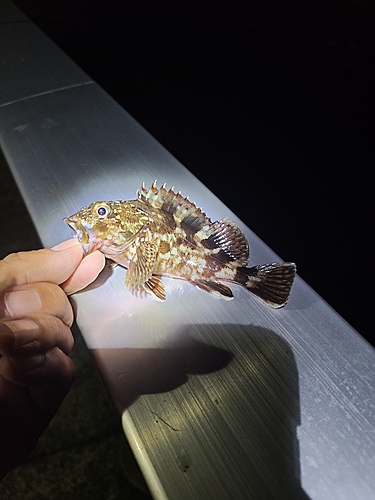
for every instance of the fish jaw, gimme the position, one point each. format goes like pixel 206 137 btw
pixel 83 232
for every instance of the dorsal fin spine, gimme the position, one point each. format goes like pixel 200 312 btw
pixel 182 209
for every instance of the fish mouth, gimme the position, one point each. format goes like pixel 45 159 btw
pixel 81 232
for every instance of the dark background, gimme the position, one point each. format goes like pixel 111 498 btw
pixel 269 103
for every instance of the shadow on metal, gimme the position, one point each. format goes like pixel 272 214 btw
pixel 266 391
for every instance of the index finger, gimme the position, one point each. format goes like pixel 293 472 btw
pixel 46 265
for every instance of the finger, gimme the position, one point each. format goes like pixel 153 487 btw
pixel 38 298
pixel 87 271
pixel 47 265
pixel 34 334
pixel 51 368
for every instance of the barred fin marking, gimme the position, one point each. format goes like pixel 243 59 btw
pixel 224 234
pixel 199 228
pixel 215 288
pixel 141 266
pixel 184 212
pixel 270 282
pixel 155 287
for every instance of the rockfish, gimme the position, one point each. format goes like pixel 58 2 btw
pixel 163 234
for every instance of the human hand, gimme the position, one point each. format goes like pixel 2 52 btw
pixel 35 340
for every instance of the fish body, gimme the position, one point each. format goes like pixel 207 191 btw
pixel 161 233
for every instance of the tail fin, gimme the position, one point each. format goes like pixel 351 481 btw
pixel 270 282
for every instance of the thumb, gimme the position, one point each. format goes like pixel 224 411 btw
pixel 47 265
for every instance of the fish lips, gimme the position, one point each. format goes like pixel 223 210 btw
pixel 81 231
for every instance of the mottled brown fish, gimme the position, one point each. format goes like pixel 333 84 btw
pixel 163 234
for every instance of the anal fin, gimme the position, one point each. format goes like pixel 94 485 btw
pixel 155 287
pixel 215 288
pixel 110 264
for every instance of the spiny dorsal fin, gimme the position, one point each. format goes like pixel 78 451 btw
pixel 223 235
pixel 185 213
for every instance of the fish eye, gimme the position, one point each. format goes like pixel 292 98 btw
pixel 102 210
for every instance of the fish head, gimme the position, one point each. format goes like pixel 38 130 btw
pixel 108 226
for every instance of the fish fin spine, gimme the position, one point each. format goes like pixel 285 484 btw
pixel 184 212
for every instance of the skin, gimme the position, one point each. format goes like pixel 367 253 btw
pixel 35 340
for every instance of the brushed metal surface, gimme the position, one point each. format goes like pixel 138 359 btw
pixel 30 63
pixel 218 399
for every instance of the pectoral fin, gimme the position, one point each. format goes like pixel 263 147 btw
pixel 141 266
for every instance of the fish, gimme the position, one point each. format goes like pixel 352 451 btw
pixel 161 233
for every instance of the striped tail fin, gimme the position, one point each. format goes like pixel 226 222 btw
pixel 270 282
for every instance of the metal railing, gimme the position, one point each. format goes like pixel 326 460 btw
pixel 218 399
